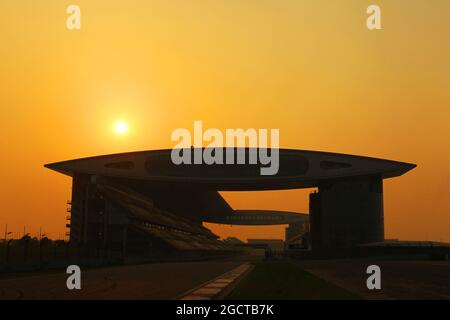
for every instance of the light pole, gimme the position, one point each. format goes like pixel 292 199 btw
pixel 40 244
pixel 6 232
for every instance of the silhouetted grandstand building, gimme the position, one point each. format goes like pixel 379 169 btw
pixel 142 202
pixel 297 236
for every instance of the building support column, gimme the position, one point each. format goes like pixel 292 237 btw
pixel 346 213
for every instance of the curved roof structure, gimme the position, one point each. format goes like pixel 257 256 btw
pixel 297 169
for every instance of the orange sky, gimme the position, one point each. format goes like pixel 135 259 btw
pixel 309 68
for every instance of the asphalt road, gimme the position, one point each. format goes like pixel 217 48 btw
pixel 399 279
pixel 147 281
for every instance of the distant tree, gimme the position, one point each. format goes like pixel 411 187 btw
pixel 26 239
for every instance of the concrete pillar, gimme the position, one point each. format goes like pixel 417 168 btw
pixel 346 213
pixel 79 212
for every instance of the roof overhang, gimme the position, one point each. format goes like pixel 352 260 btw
pixel 296 169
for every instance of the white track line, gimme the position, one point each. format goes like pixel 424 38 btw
pixel 212 288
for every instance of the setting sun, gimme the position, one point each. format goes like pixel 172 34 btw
pixel 121 127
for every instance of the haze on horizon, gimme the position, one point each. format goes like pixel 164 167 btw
pixel 308 68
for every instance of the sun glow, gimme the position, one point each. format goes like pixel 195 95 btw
pixel 121 127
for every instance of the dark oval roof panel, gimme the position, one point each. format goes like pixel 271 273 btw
pixel 296 168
